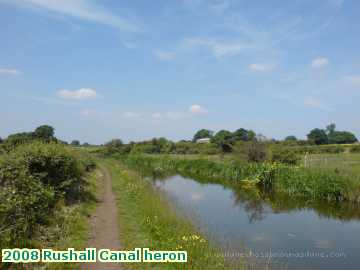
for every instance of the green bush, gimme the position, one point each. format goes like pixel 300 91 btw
pixel 251 151
pixel 33 178
pixel 284 155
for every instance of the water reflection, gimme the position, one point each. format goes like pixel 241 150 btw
pixel 263 221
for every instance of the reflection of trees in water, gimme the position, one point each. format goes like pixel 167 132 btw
pixel 250 200
pixel 255 201
pixel 255 210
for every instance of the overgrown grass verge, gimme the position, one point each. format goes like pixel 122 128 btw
pixel 311 184
pixel 147 220
pixel 71 227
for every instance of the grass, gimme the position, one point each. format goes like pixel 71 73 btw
pixel 345 163
pixel 73 225
pixel 311 184
pixel 148 220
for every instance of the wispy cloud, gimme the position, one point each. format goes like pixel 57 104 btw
pixel 129 45
pixel 262 67
pixel 316 103
pixel 169 115
pixel 129 115
pixel 82 93
pixel 9 72
pixel 81 9
pixel 353 80
pixel 194 110
pixel 220 6
pixel 218 48
pixel 164 55
pixel 197 109
pixel 319 62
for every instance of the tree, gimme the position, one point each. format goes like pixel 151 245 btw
pixel 44 132
pixel 114 143
pixel 75 143
pixel 291 138
pixel 318 136
pixel 203 133
pixel 330 128
pixel 19 138
pixel 244 135
pixel 224 140
pixel 339 137
pixel 1 140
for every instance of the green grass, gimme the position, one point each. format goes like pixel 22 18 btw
pixel 71 227
pixel 147 219
pixel 311 184
pixel 345 163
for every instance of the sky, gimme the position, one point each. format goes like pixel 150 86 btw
pixel 137 69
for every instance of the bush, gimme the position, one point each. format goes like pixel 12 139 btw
pixel 355 149
pixel 251 151
pixel 284 155
pixel 33 178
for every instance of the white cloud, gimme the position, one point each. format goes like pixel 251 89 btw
pixel 353 80
pixel 319 62
pixel 193 111
pixel 219 49
pixel 197 109
pixel 164 55
pixel 82 93
pixel 220 6
pixel 128 115
pixel 129 45
pixel 9 72
pixel 80 9
pixel 85 112
pixel 261 67
pixel 170 115
pixel 315 103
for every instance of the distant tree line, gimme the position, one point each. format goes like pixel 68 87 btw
pixel 331 136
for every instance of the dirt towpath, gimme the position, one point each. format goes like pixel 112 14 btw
pixel 104 224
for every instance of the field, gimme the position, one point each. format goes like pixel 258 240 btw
pixel 346 163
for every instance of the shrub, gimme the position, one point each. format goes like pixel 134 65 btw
pixel 33 178
pixel 284 155
pixel 251 151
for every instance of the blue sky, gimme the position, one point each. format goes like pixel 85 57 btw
pixel 138 69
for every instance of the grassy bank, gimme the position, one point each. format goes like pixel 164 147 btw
pixel 147 220
pixel 311 184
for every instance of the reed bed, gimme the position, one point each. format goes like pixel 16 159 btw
pixel 311 184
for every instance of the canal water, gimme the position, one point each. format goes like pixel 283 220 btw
pixel 247 222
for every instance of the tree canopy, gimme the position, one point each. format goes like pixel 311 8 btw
pixel 331 136
pixel 244 135
pixel 44 132
pixel 291 138
pixel 318 136
pixel 75 143
pixel 202 133
pixel 223 139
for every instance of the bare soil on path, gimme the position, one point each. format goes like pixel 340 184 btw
pixel 104 224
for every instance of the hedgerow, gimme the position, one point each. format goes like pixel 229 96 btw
pixel 34 177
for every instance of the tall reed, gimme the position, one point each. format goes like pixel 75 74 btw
pixel 309 184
